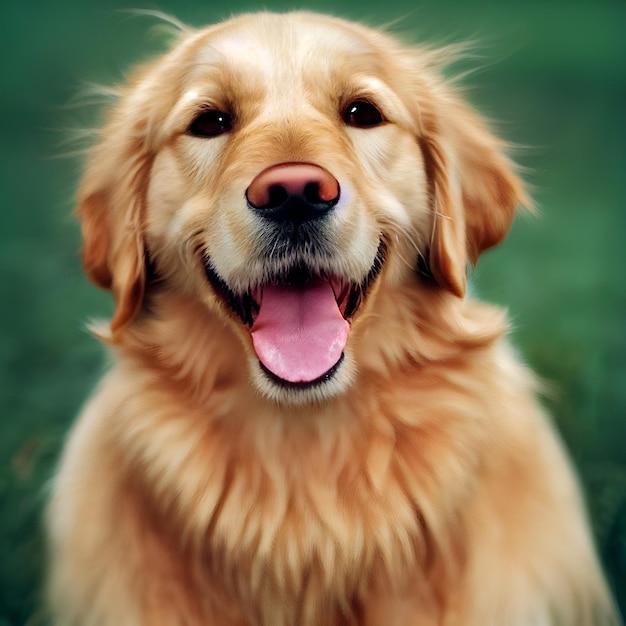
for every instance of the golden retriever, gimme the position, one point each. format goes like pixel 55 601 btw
pixel 307 420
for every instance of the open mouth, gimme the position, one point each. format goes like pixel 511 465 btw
pixel 300 320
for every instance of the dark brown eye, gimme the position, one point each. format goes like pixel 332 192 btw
pixel 362 114
pixel 210 123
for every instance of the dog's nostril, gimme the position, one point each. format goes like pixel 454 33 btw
pixel 277 195
pixel 312 193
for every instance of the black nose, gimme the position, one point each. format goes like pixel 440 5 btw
pixel 294 192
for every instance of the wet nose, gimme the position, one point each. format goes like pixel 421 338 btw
pixel 293 192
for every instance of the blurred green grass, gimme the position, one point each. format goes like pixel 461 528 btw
pixel 553 75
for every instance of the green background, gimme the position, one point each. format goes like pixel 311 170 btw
pixel 553 74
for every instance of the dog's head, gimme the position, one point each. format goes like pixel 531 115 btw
pixel 278 168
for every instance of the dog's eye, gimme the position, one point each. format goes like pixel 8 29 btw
pixel 362 114
pixel 210 123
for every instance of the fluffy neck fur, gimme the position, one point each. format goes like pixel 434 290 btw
pixel 294 516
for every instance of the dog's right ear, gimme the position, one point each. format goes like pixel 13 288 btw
pixel 111 210
pixel 475 188
pixel 475 192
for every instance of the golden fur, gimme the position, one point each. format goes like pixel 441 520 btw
pixel 422 485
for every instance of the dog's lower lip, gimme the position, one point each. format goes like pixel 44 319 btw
pixel 328 375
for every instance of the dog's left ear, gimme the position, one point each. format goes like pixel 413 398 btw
pixel 474 189
pixel 110 207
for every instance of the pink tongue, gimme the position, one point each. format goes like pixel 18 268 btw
pixel 299 333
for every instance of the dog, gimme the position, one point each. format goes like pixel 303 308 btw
pixel 307 420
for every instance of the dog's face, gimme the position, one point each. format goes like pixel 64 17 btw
pixel 278 168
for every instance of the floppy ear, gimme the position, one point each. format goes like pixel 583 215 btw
pixel 110 206
pixel 474 190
